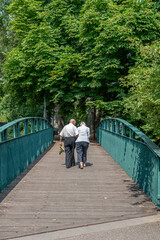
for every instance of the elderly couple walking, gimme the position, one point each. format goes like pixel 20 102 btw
pixel 75 136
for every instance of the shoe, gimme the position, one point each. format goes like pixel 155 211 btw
pixel 81 165
pixel 84 164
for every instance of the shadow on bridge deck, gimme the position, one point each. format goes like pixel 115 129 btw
pixel 48 197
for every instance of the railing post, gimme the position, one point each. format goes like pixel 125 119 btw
pixel 5 135
pixel 16 130
pixel 108 125
pixel 100 133
pixel 134 135
pixel 131 134
pixel 1 137
pixel 123 130
pixel 105 124
pixel 37 125
pixel 32 126
pixel 42 125
pixel 113 126
pixel 26 127
pixel 117 127
pixel 45 124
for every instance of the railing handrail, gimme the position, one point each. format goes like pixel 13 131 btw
pixel 15 124
pixel 10 124
pixel 142 136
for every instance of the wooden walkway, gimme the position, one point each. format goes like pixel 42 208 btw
pixel 48 197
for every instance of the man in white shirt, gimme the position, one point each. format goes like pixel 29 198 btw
pixel 70 133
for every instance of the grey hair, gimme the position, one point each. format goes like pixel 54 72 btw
pixel 83 123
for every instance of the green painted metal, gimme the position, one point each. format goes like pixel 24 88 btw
pixel 21 142
pixel 134 152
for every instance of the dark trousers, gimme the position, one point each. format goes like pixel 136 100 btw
pixel 69 145
pixel 81 148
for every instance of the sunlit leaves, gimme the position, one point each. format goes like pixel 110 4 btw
pixel 72 51
pixel 143 81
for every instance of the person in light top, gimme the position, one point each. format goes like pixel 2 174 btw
pixel 82 144
pixel 69 133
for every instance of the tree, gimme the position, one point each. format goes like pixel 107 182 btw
pixel 46 59
pixel 11 110
pixel 72 51
pixel 143 102
pixel 111 35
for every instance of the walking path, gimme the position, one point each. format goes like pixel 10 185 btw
pixel 144 228
pixel 47 197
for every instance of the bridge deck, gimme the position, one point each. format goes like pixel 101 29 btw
pixel 48 197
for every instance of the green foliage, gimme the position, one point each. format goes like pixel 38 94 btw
pixel 110 37
pixel 10 110
pixel 108 109
pixel 46 59
pixel 72 51
pixel 6 36
pixel 143 104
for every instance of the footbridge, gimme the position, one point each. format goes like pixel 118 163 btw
pixel 39 195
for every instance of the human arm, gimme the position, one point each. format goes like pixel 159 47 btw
pixel 76 132
pixel 60 143
pixel 61 136
pixel 88 132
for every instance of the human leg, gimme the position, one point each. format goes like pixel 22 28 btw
pixel 72 144
pixel 79 153
pixel 84 155
pixel 68 153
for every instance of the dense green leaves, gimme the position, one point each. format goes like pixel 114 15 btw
pixel 6 36
pixel 143 104
pixel 75 52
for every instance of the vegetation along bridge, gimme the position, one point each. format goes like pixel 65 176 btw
pixel 38 194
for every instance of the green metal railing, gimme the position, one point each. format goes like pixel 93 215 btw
pixel 134 152
pixel 21 142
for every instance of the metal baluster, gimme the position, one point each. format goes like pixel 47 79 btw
pixel 117 127
pixel 131 133
pixel 38 125
pixel 123 130
pixel 5 135
pixel 32 126
pixel 18 132
pixel 1 137
pixel 26 127
pixel 41 124
pixel 113 126
pixel 15 130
